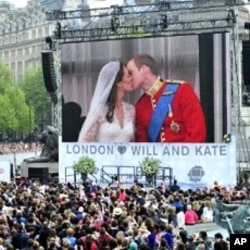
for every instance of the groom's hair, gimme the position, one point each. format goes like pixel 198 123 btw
pixel 146 59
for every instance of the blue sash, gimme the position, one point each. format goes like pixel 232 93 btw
pixel 161 111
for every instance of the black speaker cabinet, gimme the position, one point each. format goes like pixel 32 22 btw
pixel 39 173
pixel 246 62
pixel 49 71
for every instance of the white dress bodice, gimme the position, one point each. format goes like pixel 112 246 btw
pixel 104 131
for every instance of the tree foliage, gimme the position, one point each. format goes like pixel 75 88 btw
pixel 35 93
pixel 8 121
pixel 15 115
pixel 23 112
pixel 22 105
pixel 6 77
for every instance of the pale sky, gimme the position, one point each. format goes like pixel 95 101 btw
pixel 23 3
pixel 18 3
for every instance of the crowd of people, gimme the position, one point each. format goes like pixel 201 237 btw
pixel 19 147
pixel 59 216
pixel 89 217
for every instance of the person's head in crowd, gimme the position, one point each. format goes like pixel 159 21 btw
pixel 35 245
pixel 203 235
pixel 218 236
pixel 102 231
pixel 169 229
pixel 119 241
pixel 190 238
pixel 143 211
pixel 113 244
pixel 171 210
pixel 150 224
pixel 143 246
pixel 70 231
pixel 125 243
pixel 183 235
pixel 117 212
pixel 163 243
pixel 52 243
pixel 66 245
pixel 219 245
pixel 201 246
pixel 133 245
pixel 9 247
pixel 189 206
pixel 196 205
pixel 180 246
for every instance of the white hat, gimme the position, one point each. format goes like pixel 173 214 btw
pixel 117 211
pixel 80 209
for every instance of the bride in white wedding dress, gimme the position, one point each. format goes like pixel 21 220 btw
pixel 110 119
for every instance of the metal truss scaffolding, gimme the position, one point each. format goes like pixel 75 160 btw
pixel 162 18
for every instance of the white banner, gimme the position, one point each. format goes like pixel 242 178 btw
pixel 5 171
pixel 193 165
pixel 17 158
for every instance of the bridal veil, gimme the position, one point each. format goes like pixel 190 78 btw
pixel 103 87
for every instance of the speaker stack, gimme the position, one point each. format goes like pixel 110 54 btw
pixel 246 57
pixel 246 62
pixel 49 75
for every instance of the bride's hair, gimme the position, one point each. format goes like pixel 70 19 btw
pixel 111 101
pixel 103 96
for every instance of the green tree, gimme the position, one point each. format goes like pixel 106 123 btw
pixel 8 121
pixel 23 112
pixel 15 115
pixel 36 95
pixel 6 77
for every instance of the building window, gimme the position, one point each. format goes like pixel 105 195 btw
pixel 26 64
pixel 46 31
pixel 33 34
pixel 20 67
pixel 39 48
pixel 13 53
pixel 20 37
pixel 6 54
pixel 7 40
pixel 41 19
pixel 40 32
pixel 13 66
pixel 20 52
pixel 26 35
pixel 13 39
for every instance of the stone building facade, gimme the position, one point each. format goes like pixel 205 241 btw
pixel 22 35
pixel 23 32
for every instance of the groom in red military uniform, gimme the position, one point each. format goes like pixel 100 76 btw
pixel 168 111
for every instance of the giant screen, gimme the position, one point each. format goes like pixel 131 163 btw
pixel 201 59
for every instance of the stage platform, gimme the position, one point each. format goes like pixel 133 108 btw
pixel 44 171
